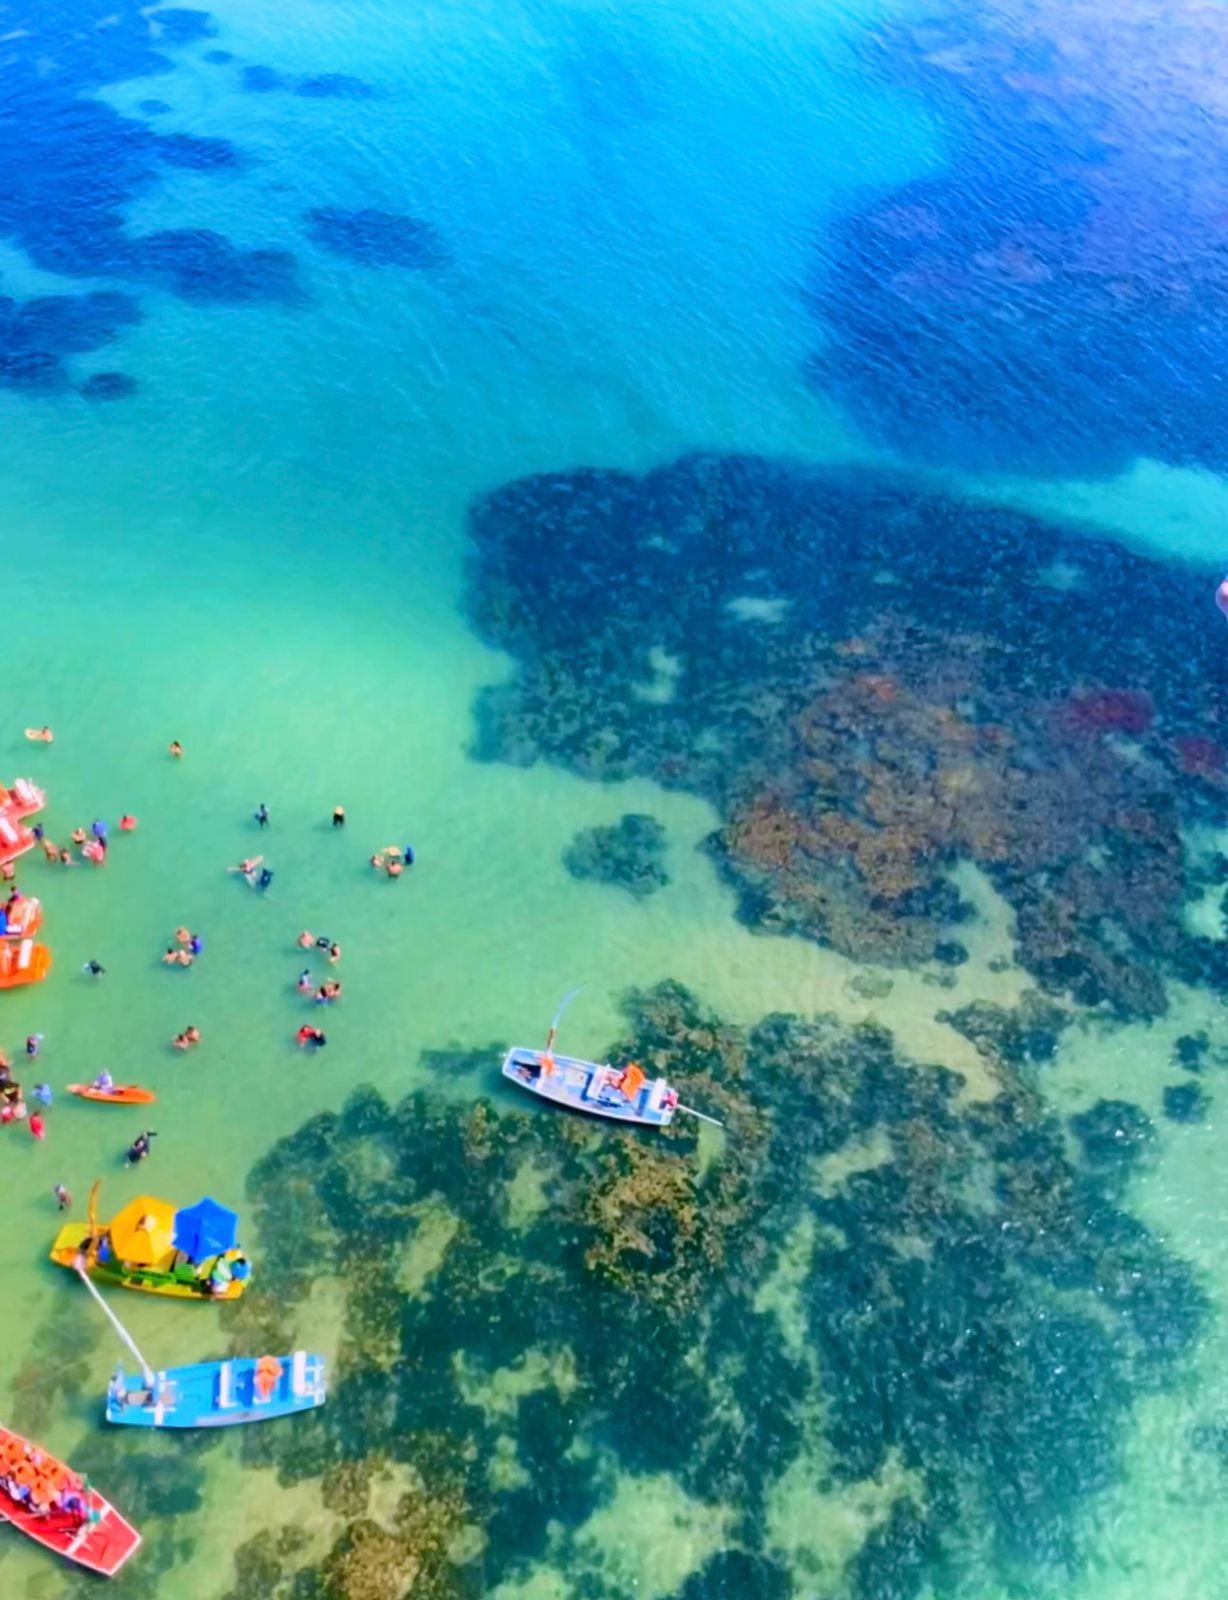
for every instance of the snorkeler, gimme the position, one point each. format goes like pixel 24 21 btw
pixel 34 1044
pixel 139 1148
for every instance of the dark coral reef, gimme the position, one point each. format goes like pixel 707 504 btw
pixel 537 1310
pixel 377 238
pixel 1056 298
pixel 74 167
pixel 629 854
pixel 870 683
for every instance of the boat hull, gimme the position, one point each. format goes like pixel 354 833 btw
pixel 179 1284
pixel 219 1394
pixel 123 1094
pixel 578 1085
pixel 103 1546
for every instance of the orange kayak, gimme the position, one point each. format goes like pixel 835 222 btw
pixel 123 1094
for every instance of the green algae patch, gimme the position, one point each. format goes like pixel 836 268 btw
pixel 871 1308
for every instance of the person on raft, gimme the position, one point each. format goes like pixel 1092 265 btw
pixel 104 1083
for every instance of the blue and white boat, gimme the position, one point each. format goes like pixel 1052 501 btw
pixel 217 1394
pixel 623 1094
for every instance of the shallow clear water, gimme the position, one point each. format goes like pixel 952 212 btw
pixel 261 552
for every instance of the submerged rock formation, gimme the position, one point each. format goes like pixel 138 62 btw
pixel 871 683
pixel 541 1315
pixel 629 854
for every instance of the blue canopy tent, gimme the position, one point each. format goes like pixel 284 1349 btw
pixel 205 1229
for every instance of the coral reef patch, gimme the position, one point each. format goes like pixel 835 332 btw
pixel 377 238
pixel 629 854
pixel 75 166
pixel 1077 196
pixel 970 1318
pixel 870 683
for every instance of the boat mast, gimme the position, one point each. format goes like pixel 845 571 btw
pixel 146 1369
pixel 558 1017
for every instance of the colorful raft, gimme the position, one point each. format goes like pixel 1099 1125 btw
pixel 188 1254
pixel 23 799
pixel 178 1278
pixel 22 962
pixel 23 919
pixel 123 1094
pixel 93 1536
pixel 624 1094
pixel 218 1394
pixel 15 838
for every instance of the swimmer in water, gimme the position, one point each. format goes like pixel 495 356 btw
pixel 94 968
pixel 183 936
pixel 176 749
pixel 42 735
pixel 377 860
pixel 334 953
pixel 186 1039
pixel 196 944
pixel 37 1126
pixel 177 958
pixel 139 1148
pixel 338 816
pixel 395 868
pixel 311 1036
pixel 66 859
pixel 78 837
pixel 1221 597
pixel 247 866
pixel 262 815
pixel 127 823
pixel 306 940
pixel 305 981
pixel 265 878
pixel 50 851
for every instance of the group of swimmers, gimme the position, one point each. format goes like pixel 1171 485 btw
pixel 184 951
pixel 13 1107
pixel 92 845
pixel 39 1483
pixel 393 860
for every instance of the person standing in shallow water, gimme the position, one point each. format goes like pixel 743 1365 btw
pixel 338 816
pixel 262 815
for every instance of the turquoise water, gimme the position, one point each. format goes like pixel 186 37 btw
pixel 261 552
